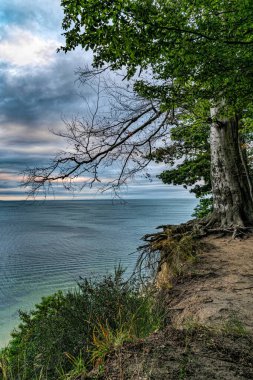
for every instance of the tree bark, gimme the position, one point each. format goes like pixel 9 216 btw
pixel 231 183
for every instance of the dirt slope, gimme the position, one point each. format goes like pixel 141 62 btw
pixel 218 286
pixel 209 334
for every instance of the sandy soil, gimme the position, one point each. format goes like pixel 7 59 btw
pixel 218 287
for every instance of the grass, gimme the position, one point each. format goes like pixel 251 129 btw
pixel 78 367
pixel 234 326
pixel 69 334
pixel 105 339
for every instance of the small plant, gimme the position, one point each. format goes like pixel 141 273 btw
pixel 190 325
pixel 78 367
pixel 106 340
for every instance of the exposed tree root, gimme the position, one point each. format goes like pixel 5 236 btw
pixel 197 229
pixel 174 241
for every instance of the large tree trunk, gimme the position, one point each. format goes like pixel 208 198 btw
pixel 231 184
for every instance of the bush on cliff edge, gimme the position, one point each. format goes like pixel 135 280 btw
pixel 72 332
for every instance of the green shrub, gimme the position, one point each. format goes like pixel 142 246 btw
pixel 64 326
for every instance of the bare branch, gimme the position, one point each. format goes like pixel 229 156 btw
pixel 121 139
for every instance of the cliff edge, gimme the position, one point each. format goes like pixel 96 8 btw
pixel 209 328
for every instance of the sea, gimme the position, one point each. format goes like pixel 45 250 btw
pixel 48 245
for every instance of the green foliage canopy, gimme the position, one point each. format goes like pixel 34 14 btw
pixel 199 49
pixel 194 53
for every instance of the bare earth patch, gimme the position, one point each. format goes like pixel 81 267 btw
pixel 209 332
pixel 218 287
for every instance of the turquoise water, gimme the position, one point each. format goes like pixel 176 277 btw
pixel 46 246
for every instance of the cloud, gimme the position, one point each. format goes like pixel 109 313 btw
pixel 37 85
pixel 39 16
pixel 10 177
pixel 33 96
pixel 37 89
pixel 20 48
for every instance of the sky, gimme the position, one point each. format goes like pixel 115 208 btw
pixel 38 89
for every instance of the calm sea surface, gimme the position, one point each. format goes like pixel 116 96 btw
pixel 46 246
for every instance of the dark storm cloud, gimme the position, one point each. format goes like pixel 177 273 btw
pixel 13 192
pixel 42 95
pixel 21 161
pixel 38 88
pixel 36 83
pixel 5 185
